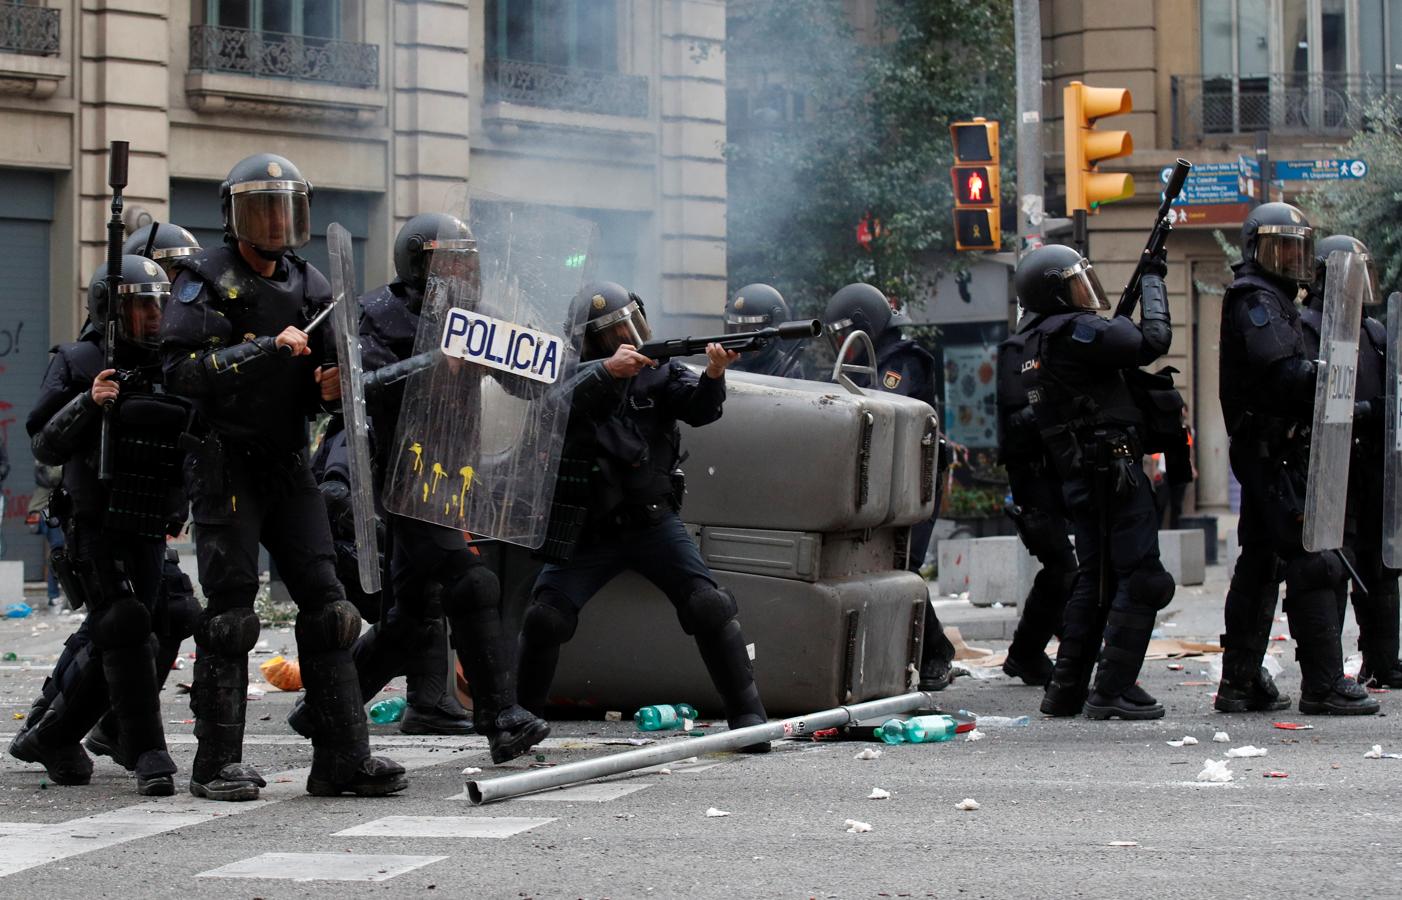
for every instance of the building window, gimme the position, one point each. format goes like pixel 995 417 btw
pixel 574 34
pixel 306 18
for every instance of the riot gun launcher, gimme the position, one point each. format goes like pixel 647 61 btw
pixel 116 232
pixel 740 342
pixel 1158 238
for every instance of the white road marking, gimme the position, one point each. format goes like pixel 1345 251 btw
pixel 444 827
pixel 322 867
pixel 18 827
pixel 590 793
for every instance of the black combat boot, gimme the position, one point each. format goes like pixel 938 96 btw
pixel 1040 620
pixel 136 704
pixel 1377 617
pixel 219 700
pixel 728 661
pixel 433 706
pixel 936 655
pixel 72 699
pixel 511 729
pixel 1324 688
pixel 1115 694
pixel 103 740
pixel 1066 689
pixel 64 762
pixel 1133 703
pixel 341 760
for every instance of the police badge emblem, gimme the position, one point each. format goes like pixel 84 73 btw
pixel 891 381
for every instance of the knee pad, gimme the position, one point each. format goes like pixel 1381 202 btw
pixel 124 623
pixel 229 633
pixel 550 619
pixel 1151 586
pixel 334 626
pixel 707 610
pixel 475 590
pixel 1313 572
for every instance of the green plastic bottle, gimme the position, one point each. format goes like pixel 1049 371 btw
pixel 929 729
pixel 663 717
pixel 892 731
pixel 388 710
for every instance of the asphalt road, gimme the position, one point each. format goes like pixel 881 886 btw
pixel 1067 808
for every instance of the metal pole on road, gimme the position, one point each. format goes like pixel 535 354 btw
pixel 508 786
pixel 1027 29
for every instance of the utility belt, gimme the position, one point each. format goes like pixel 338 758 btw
pixel 661 498
pixel 1074 447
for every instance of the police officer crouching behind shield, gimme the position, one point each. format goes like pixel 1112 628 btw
pixel 1377 611
pixel 1267 392
pixel 902 367
pixel 1088 421
pixel 115 530
pixel 233 342
pixel 621 452
pixel 421 553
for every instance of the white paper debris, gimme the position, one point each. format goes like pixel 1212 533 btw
pixel 1216 771
pixel 255 693
pixel 855 827
pixel 750 651
pixel 687 724
pixel 1246 752
pixel 1220 738
pixel 868 753
pixel 1377 753
pixel 1187 741
pixel 968 804
pixel 1124 844
pixel 879 794
pixel 472 770
pixel 664 771
pixel 714 813
pixel 974 735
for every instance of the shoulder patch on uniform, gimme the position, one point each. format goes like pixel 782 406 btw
pixel 1258 314
pixel 891 380
pixel 189 291
pixel 1084 333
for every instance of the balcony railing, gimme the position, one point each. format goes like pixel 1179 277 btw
pixel 29 29
pixel 1208 107
pixel 558 87
pixel 267 54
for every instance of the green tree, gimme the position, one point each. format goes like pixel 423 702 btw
pixel 1371 209
pixel 844 124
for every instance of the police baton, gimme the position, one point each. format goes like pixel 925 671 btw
pixel 314 324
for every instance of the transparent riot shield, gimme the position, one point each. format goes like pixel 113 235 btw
pixel 345 316
pixel 1347 287
pixel 1392 438
pixel 482 427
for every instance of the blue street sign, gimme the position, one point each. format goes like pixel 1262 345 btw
pixel 1319 169
pixel 1209 184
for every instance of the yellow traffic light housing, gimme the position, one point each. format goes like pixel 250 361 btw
pixel 1085 146
pixel 976 180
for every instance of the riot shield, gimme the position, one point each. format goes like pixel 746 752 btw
pixel 481 429
pixel 1347 287
pixel 345 316
pixel 1392 439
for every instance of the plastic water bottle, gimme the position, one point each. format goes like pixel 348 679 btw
pixel 996 721
pixel 892 731
pixel 929 729
pixel 388 710
pixel 663 717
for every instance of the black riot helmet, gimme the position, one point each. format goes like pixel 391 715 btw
pixel 171 243
pixel 267 204
pixel 421 237
pixel 1056 278
pixel 753 307
pixel 616 316
pixel 861 307
pixel 1278 240
pixel 141 299
pixel 1347 244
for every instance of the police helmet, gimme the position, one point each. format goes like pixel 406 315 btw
pixel 420 237
pixel 1346 244
pixel 616 316
pixel 1278 239
pixel 267 204
pixel 171 243
pixel 861 307
pixel 141 298
pixel 1055 278
pixel 753 307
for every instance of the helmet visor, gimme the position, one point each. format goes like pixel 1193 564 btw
pixel 626 325
pixel 139 314
pixel 736 323
pixel 1286 251
pixel 271 220
pixel 1083 290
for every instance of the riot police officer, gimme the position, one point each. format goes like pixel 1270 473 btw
pixel 1377 611
pixel 420 552
pixel 233 342
pixel 171 243
pixel 902 367
pixel 1039 513
pixel 757 306
pixel 116 530
pixel 1073 378
pixel 619 468
pixel 1267 393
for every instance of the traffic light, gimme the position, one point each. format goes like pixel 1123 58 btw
pixel 975 174
pixel 1085 146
